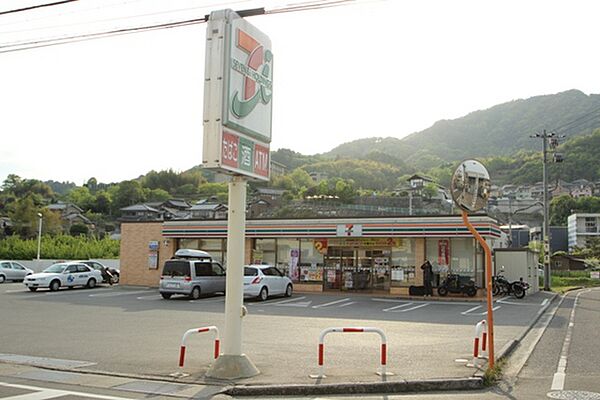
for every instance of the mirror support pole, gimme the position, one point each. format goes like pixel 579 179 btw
pixel 488 286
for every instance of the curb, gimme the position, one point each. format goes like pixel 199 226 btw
pixel 512 344
pixel 357 388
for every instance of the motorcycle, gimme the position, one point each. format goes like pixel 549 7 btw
pixel 107 276
pixel 502 286
pixel 457 284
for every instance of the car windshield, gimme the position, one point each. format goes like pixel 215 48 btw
pixel 56 268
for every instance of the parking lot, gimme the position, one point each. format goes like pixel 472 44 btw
pixel 134 330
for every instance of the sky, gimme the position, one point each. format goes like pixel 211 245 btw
pixel 116 108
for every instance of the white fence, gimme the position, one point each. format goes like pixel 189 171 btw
pixel 40 265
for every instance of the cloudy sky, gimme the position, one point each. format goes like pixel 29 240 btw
pixel 118 107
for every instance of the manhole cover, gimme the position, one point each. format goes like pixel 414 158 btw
pixel 574 395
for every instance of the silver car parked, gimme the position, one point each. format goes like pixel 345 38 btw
pixel 191 273
pixel 13 271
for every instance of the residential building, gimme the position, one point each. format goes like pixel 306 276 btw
pixel 277 169
pixel 565 262
pixel 582 227
pixel 70 214
pixel 141 212
pixel 209 211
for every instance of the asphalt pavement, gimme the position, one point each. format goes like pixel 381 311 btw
pixel 133 332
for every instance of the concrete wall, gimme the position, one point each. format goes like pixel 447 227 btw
pixel 39 266
pixel 518 263
pixel 135 237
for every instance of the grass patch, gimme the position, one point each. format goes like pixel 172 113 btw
pixel 493 375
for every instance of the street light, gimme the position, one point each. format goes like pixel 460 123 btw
pixel 39 235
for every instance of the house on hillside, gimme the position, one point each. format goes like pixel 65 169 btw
pixel 141 212
pixel 565 262
pixel 206 210
pixel 277 169
pixel 70 214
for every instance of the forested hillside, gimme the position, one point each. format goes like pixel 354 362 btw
pixel 502 130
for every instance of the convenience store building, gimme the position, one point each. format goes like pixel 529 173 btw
pixel 374 255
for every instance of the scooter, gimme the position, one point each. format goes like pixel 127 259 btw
pixel 454 284
pixel 107 276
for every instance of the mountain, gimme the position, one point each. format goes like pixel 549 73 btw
pixel 501 130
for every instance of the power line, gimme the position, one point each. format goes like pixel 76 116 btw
pixel 33 44
pixel 57 3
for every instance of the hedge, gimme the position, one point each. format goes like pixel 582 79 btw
pixel 59 247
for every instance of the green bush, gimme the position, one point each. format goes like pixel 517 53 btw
pixel 59 247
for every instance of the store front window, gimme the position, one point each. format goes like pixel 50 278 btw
pixel 403 263
pixel 456 256
pixel 215 247
pixel 264 251
pixel 288 256
pixel 311 262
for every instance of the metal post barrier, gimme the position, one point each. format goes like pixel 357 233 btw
pixel 198 330
pixel 381 334
pixel 480 331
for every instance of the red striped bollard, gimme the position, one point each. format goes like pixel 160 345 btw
pixel 381 334
pixel 198 330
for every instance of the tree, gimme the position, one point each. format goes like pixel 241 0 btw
pixel 24 217
pixel 128 193
pixel 429 190
pixel 560 208
pixel 156 194
pixel 82 197
pixel 102 203
pixel 78 230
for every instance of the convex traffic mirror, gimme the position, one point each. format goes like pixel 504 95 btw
pixel 470 186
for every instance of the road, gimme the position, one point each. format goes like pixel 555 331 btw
pixel 134 331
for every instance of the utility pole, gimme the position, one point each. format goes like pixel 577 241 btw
pixel 548 139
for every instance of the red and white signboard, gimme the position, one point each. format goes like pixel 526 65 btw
pixel 444 252
pixel 238 92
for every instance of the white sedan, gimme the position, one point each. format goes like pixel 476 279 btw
pixel 263 281
pixel 63 275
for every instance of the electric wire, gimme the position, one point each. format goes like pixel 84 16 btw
pixel 38 43
pixel 18 10
pixel 120 18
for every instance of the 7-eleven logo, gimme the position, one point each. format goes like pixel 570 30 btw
pixel 349 230
pixel 257 72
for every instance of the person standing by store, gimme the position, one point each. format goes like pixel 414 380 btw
pixel 427 276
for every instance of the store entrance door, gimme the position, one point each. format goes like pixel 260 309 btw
pixel 358 270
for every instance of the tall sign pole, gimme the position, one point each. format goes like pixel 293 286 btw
pixel 470 191
pixel 238 89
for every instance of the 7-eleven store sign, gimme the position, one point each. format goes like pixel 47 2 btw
pixel 237 97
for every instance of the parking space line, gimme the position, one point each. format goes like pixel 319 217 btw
pixel 413 308
pixel 153 297
pixel 45 393
pixel 484 313
pixel 347 304
pixel 396 307
pixel 470 309
pixel 300 304
pixel 502 301
pixel 331 303
pixel 544 302
pixel 276 302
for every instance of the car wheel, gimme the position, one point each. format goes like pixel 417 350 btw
pixel 54 285
pixel 264 294
pixel 91 283
pixel 195 293
pixel 166 296
pixel 2 278
pixel 288 290
pixel 33 289
pixel 442 291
